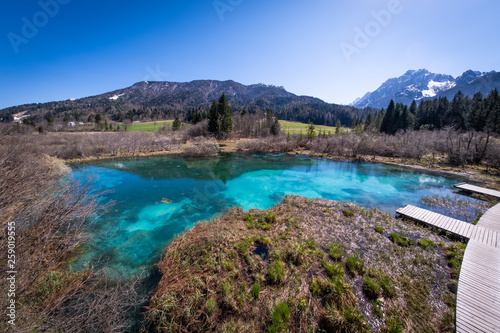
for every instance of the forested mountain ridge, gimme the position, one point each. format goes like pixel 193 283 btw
pixel 162 100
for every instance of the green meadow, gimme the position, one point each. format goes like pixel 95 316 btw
pixel 294 127
pixel 149 126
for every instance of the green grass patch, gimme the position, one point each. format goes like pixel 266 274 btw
pixel 276 271
pixel 345 319
pixel 401 240
pixel 255 292
pixel 393 325
pixel 355 265
pixel 379 229
pixel 279 318
pixel 244 245
pixel 477 219
pixel 388 287
pixel 261 240
pixel 371 288
pixel 149 126
pixel 333 269
pixel 315 287
pixel 263 222
pixel 294 127
pixel 347 212
pixel 425 243
pixel 211 306
pixel 250 221
pixel 336 251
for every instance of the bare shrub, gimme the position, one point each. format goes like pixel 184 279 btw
pixel 492 157
pixel 466 147
pixel 201 147
pixel 460 147
pixel 83 145
pixel 97 304
pixel 197 130
pixel 23 174
pixel 50 212
pixel 271 144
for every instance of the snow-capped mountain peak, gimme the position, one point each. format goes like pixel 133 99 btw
pixel 417 85
pixel 435 87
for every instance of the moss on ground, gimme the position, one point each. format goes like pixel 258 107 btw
pixel 322 270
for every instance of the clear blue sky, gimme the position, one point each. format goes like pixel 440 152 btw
pixel 91 47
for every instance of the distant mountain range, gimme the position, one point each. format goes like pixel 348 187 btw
pixel 174 98
pixel 422 84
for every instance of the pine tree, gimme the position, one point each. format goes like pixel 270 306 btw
pixel 226 117
pixel 387 120
pixel 197 117
pixel 406 120
pixel 275 127
pixel 269 116
pixel 310 131
pixel 456 112
pixel 176 125
pixel 397 122
pixel 413 108
pixel 378 119
pixel 368 122
pixel 338 125
pixel 476 115
pixel 213 119
pixel 493 121
pixel 438 112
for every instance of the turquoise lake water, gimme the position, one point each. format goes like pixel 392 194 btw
pixel 156 198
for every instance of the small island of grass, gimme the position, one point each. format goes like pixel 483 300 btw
pixel 305 265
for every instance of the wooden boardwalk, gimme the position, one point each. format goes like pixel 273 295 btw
pixel 463 229
pixel 491 219
pixel 478 294
pixel 478 189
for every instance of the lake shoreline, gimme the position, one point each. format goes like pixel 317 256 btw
pixel 474 173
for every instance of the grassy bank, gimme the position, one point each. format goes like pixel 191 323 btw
pixel 291 127
pixel 307 265
pixel 294 127
pixel 150 126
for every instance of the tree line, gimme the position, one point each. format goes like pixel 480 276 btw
pixel 479 113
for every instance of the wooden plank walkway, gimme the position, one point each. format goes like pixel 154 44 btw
pixel 478 294
pixel 491 219
pixel 463 229
pixel 478 189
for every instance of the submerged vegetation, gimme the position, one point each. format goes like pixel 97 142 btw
pixel 465 210
pixel 325 271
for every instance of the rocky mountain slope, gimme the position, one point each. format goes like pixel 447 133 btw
pixel 422 84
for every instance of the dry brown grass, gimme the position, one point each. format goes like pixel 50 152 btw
pixel 50 213
pixel 209 271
